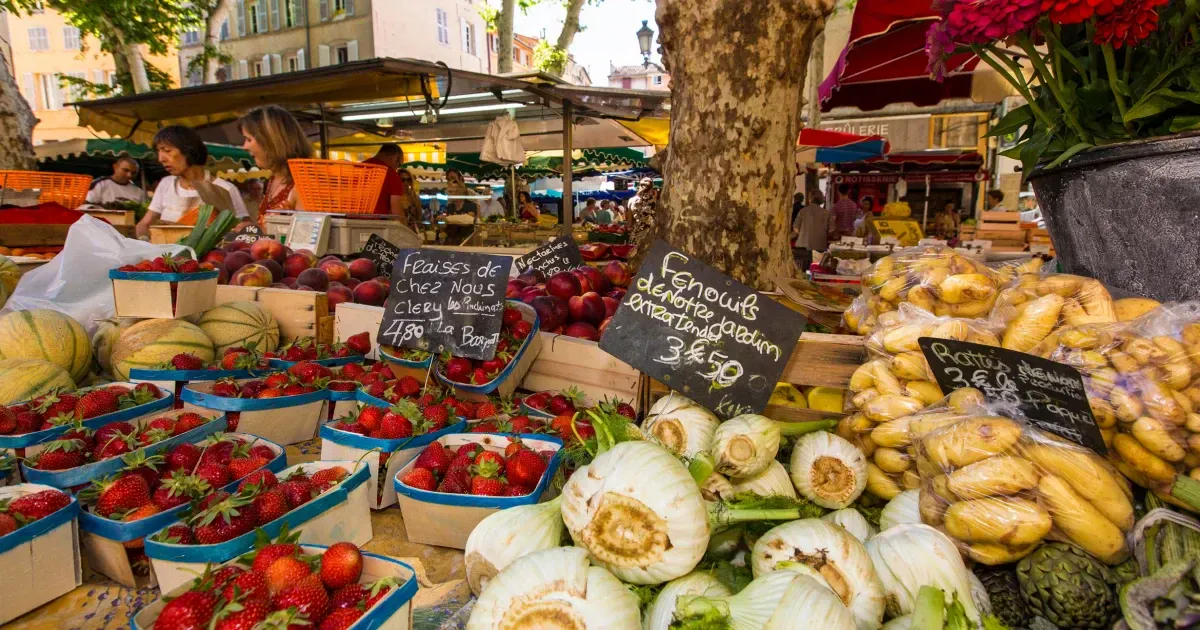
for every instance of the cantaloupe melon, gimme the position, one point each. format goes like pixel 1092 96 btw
pixel 152 342
pixel 48 335
pixel 107 333
pixel 238 324
pixel 10 274
pixel 22 379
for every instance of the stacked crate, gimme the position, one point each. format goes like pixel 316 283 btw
pixel 1003 229
pixel 1040 237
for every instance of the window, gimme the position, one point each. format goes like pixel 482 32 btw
pixel 469 38
pixel 956 131
pixel 75 90
pixel 658 79
pixel 626 82
pixel 343 55
pixel 274 9
pixel 225 30
pixel 38 8
pixel 49 92
pixel 39 39
pixel 493 43
pixel 516 56
pixel 70 38
pixel 240 15
pixel 291 13
pixel 194 77
pixel 258 17
pixel 293 64
pixel 343 6
pixel 443 27
pixel 191 38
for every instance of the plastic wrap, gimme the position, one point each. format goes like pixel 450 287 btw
pixel 999 487
pixel 936 279
pixel 1035 308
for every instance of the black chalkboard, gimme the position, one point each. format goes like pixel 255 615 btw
pixel 444 300
pixel 703 334
pixel 1050 394
pixel 561 254
pixel 382 252
pixel 247 234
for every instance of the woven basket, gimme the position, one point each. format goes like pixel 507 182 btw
pixel 67 189
pixel 337 186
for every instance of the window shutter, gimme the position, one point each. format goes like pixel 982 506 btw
pixel 352 50
pixel 266 66
pixel 225 30
pixel 261 9
pixel 276 63
pixel 55 91
pixel 243 69
pixel 324 10
pixel 30 89
pixel 274 14
pixel 240 17
pixel 322 56
pixel 300 59
pixel 300 11
pixel 349 4
pixel 98 76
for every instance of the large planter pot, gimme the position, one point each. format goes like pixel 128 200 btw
pixel 1127 214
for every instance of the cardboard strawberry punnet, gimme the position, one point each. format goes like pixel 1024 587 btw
pixel 284 407
pixel 41 557
pixel 32 422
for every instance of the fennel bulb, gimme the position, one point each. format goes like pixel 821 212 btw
pixel 637 511
pixel 658 616
pixel 717 488
pixel 832 552
pixel 852 521
pixel 781 600
pixel 509 534
pixel 772 481
pixel 555 588
pixel 903 509
pixel 907 557
pixel 682 426
pixel 744 445
pixel 828 470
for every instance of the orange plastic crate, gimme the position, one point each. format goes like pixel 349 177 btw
pixel 337 186
pixel 67 189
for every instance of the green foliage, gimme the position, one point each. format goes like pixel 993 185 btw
pixel 155 23
pixel 198 63
pixel 549 58
pixel 490 16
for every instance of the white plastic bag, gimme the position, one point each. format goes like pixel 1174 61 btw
pixel 75 282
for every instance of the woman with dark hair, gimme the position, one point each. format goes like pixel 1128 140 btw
pixel 272 137
pixel 180 194
pixel 526 209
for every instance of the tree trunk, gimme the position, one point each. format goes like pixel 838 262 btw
pixel 570 25
pixel 504 28
pixel 137 69
pixel 737 79
pixel 212 40
pixel 16 124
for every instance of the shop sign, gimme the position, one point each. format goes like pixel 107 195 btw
pixel 906 232
pixel 560 254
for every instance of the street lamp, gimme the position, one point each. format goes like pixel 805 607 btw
pixel 645 37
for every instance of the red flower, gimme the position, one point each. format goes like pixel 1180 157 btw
pixel 1130 24
pixel 986 21
pixel 1076 11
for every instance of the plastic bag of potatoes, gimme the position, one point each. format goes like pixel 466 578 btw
pixel 1035 307
pixel 999 487
pixel 936 279
pixel 1143 383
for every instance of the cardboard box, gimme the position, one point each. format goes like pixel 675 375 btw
pixel 284 420
pixel 351 319
pixel 149 294
pixel 571 362
pixel 393 612
pixel 507 380
pixel 402 367
pixel 446 520
pixel 175 380
pixel 41 560
pixel 342 513
pixel 103 539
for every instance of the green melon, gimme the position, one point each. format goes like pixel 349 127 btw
pixel 10 274
pixel 47 335
pixel 152 342
pixel 22 379
pixel 236 324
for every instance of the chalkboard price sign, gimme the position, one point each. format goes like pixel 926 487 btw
pixel 561 254
pixel 1050 394
pixel 444 300
pixel 382 252
pixel 703 334
pixel 247 235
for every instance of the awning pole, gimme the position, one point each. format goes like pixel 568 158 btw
pixel 324 135
pixel 925 214
pixel 568 197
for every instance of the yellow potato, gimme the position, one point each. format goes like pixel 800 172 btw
pixel 1000 475
pixel 1011 521
pixel 1088 476
pixel 931 507
pixel 1176 374
pixel 881 485
pixel 1060 284
pixel 1191 334
pixel 910 366
pixel 855 428
pixel 891 289
pixel 1143 350
pixel 924 423
pixel 1194 474
pixel 1184 402
pixel 1033 324
pixel 1085 338
pixel 891 406
pixel 966 399
pixel 977 308
pixel 892 461
pixel 970 441
pixel 881 271
pixel 910 479
pixel 1102 380
pixel 990 554
pixel 1081 522
pixel 1158 438
pixel 1123 363
pixel 1133 308
pixel 927 392
pixel 983 338
pixel 904 338
pixel 1103 412
pixel 862 398
pixel 863 378
pixel 956 330
pixel 893 433
pixel 1127 406
pixel 1097 301
pixel 922 297
pixel 1161 404
pixel 885 381
pixel 1193 422
pixel 890 319
pixel 1149 466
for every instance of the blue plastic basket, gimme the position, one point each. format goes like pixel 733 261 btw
pixel 38 437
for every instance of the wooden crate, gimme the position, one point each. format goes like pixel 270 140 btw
pixel 27 235
pixel 115 217
pixel 167 234
pixel 570 362
pixel 351 319
pixel 299 313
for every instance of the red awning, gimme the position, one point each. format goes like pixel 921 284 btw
pixel 884 62
pixel 822 138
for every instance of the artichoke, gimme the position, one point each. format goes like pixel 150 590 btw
pixel 1005 594
pixel 1068 587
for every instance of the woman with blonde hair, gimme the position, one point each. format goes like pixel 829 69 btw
pixel 273 137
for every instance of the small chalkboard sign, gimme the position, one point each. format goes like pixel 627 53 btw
pixel 382 253
pixel 248 235
pixel 703 334
pixel 445 300
pixel 560 254
pixel 1050 394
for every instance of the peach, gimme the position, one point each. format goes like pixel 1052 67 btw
pixel 252 275
pixel 315 279
pixel 276 268
pixel 370 293
pixel 337 270
pixel 362 268
pixel 267 248
pixel 236 260
pixel 294 264
pixel 338 293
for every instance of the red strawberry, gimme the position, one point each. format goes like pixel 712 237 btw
pixel 560 405
pixel 120 494
pixel 436 415
pixel 371 417
pixel 486 486
pixel 239 467
pixel 419 478
pixel 8 524
pixel 409 386
pixel 294 390
pixel 521 330
pixel 470 449
pixel 146 511
pixel 224 575
pixel 458 370
pixel 32 507
pixel 242 615
pixel 57 404
pixel 183 457
pixel 378 389
pixel 489 458
pixel 380 589
pixel 189 611
pixel 342 619
pixel 349 596
pixel 278 379
pixel 353 371
pixel 188 421
pixel 226 387
pixel 487 426
pixel 626 409
pixel 511 316
pixel 270 505
pixel 456 481
pixel 480 377
pixel 540 400
pixel 297 491
pixel 270 392
pixel 525 468
pixel 219 451
pixel 395 426
pixel 308 372
pixel 307 597
pixel 61 455
pixel 252 585
pixel 435 457
pixel 522 424
pixel 187 361
pixel 212 499
pixel 513 490
pixel 108 431
pixel 8 421
pixel 225 520
pixel 492 366
pixel 514 444
pixel 179 535
pixel 326 478
pixel 162 424
pixel 215 473
pixel 177 489
pixel 149 388
pixel 263 478
pixel 272 552
pixel 486 409
pixel 341 564
pixel 359 343
pixel 263 451
pixel 342 386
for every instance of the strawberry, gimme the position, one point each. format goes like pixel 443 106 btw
pixel 359 343
pixel 470 449
pixel 487 426
pixel 188 421
pixel 522 424
pixel 480 377
pixel 146 511
pixel 307 597
pixel 353 371
pixel 242 614
pixel 341 619
pixel 308 372
pixel 514 445
pixel 380 589
pixel 270 392
pixel 278 379
pixel 251 585
pixel 183 457
pixel 297 491
pixel 56 404
pixel 178 489
pixel 150 389
pixel 270 505
pixel 226 387
pixel 560 405
pixel 521 330
pixel 492 366
pixel 225 520
pixel 486 486
pixel 108 431
pixel 266 557
pixel 187 361
pixel 395 426
pixel 539 401
pixel 217 450
pixel 8 421
pixel 8 524
pixel 239 467
pixel 119 494
pixel 511 316
pixel 462 408
pixel 224 575
pixel 371 417
pixel 342 386
pixel 263 451
pixel 326 478
pixel 341 564
pixel 61 455
pixel 294 390
pixel 419 478
pixel 524 468
pixel 210 500
pixel 435 457
pixel 377 389
pixel 214 473
pixel 436 415
pixel 264 479
pixel 162 424
pixel 486 409
pixel 456 481
pixel 489 458
pixel 353 427
pixel 349 596
pixel 178 535
pixel 32 507
pixel 409 386
pixel 458 369
pixel 189 611
pixel 151 436
pixel 239 361
pixel 188 266
pixel 513 490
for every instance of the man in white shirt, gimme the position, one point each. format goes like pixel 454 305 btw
pixel 118 187
pixel 995 201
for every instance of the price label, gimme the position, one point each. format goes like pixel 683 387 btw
pixel 851 240
pixel 703 334
pixel 247 235
pixel 977 244
pixel 931 241
pixel 382 252
pixel 1050 394
pixel 444 300
pixel 1039 249
pixel 561 254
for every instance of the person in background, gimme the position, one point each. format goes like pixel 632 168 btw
pixel 945 224
pixel 492 207
pixel 845 212
pixel 797 204
pixel 119 186
pixel 619 215
pixel 272 137
pixel 811 228
pixel 588 215
pixel 641 210
pixel 995 201
pixel 865 216
pixel 528 211
pixel 412 203
pixel 392 198
pixel 178 197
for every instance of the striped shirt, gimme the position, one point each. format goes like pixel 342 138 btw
pixel 845 212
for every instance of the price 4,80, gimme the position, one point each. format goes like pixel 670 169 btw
pixel 401 331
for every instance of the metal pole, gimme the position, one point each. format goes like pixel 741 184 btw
pixel 568 197
pixel 324 135
pixel 925 214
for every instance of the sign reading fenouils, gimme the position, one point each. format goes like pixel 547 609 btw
pixel 703 334
pixel 445 301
